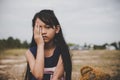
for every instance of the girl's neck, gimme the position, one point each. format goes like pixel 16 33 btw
pixel 49 45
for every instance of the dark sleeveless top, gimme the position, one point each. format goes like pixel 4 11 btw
pixel 49 61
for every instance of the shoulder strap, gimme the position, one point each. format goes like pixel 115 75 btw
pixel 33 50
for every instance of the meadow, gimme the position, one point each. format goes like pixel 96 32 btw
pixel 106 60
pixel 13 63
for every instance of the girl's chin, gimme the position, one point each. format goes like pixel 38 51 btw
pixel 46 41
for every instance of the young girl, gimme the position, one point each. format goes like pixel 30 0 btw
pixel 48 57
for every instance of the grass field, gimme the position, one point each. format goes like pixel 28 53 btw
pixel 107 61
pixel 13 63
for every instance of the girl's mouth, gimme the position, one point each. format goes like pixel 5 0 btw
pixel 45 37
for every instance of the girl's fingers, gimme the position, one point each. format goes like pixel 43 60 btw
pixel 36 29
pixel 40 30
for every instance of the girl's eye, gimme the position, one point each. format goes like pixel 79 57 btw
pixel 47 26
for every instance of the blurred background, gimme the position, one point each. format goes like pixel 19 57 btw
pixel 91 29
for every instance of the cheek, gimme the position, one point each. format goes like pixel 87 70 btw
pixel 52 34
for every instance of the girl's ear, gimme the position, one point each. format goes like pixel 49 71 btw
pixel 57 28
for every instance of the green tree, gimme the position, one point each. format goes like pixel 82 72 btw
pixel 10 42
pixel 17 43
pixel 71 44
pixel 2 44
pixel 25 44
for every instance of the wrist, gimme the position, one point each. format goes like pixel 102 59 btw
pixel 40 45
pixel 55 78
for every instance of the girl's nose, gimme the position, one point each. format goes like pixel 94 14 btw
pixel 43 31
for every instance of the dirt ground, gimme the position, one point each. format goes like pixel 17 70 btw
pixel 13 67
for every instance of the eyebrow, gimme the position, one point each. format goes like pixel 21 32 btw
pixel 46 25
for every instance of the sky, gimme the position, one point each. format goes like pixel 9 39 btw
pixel 82 21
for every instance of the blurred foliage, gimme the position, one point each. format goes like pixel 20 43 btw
pixel 115 44
pixel 12 43
pixel 71 44
pixel 99 47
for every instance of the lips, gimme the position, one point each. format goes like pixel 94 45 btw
pixel 45 37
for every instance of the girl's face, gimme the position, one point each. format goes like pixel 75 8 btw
pixel 48 32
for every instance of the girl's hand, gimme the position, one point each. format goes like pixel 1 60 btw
pixel 38 35
pixel 55 78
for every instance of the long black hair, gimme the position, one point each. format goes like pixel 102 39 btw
pixel 49 18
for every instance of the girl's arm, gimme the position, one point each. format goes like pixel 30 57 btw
pixel 37 65
pixel 59 71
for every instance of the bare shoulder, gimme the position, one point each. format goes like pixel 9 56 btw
pixel 28 54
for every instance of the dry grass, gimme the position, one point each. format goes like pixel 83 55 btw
pixel 106 60
pixel 11 53
pixel 13 63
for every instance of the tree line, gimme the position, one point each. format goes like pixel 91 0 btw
pixel 16 43
pixel 115 45
pixel 12 43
